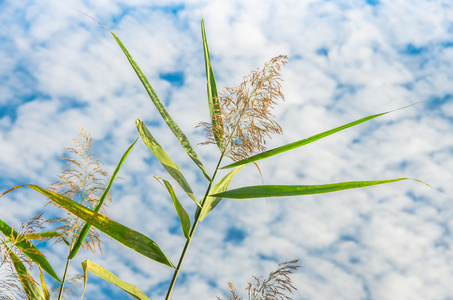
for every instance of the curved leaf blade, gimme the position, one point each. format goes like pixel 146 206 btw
pixel 108 276
pixel 28 249
pixel 265 191
pixel 183 140
pixel 31 288
pixel 125 235
pixel 219 187
pixel 86 228
pixel 164 159
pixel 182 214
pixel 112 178
pixel 213 96
pixel 306 141
pixel 43 286
pixel 41 235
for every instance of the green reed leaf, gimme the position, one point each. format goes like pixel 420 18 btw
pixel 27 248
pixel 86 228
pixel 213 96
pixel 164 159
pixel 31 288
pixel 183 140
pixel 126 236
pixel 306 141
pixel 108 276
pixel 182 214
pixel 219 187
pixel 265 191
pixel 41 235
pixel 43 286
pixel 117 169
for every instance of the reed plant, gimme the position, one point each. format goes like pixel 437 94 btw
pixel 276 286
pixel 241 120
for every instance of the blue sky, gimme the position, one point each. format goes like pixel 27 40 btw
pixel 61 72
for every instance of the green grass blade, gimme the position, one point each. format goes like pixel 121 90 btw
pixel 219 187
pixel 126 236
pixel 164 159
pixel 28 249
pixel 306 141
pixel 31 289
pixel 108 276
pixel 183 140
pixel 112 178
pixel 41 235
pixel 182 214
pixel 43 286
pixel 213 96
pixel 266 191
pixel 86 228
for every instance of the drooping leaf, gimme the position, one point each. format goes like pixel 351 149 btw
pixel 86 228
pixel 43 286
pixel 306 141
pixel 108 276
pixel 182 214
pixel 47 235
pixel 27 248
pixel 164 159
pixel 41 235
pixel 31 288
pixel 211 202
pixel 213 97
pixel 183 140
pixel 265 191
pixel 126 236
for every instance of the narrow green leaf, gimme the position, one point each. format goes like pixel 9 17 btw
pixel 213 96
pixel 164 159
pixel 182 214
pixel 112 178
pixel 183 140
pixel 126 236
pixel 31 288
pixel 41 235
pixel 28 249
pixel 108 276
pixel 86 228
pixel 265 191
pixel 219 187
pixel 306 141
pixel 43 286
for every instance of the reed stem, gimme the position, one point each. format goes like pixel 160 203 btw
pixel 192 231
pixel 63 279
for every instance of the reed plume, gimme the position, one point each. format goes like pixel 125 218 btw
pixel 71 285
pixel 10 285
pixel 82 180
pixel 244 117
pixel 274 287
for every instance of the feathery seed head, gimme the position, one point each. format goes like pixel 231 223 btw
pixel 275 287
pixel 245 112
pixel 83 181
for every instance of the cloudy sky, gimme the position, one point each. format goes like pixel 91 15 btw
pixel 61 72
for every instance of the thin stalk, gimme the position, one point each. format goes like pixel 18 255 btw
pixel 66 267
pixel 181 259
pixel 63 279
pixel 198 211
pixel 192 231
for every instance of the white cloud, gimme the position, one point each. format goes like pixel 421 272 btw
pixel 61 71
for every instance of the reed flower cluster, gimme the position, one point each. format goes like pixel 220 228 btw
pixel 83 181
pixel 275 287
pixel 10 283
pixel 243 116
